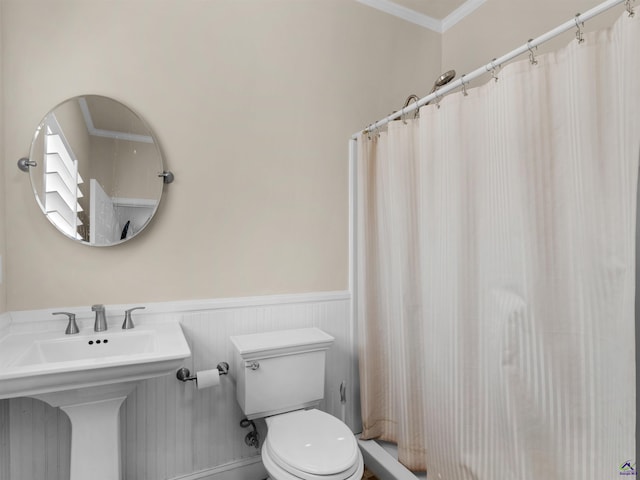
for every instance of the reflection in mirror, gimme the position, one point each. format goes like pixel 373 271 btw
pixel 97 174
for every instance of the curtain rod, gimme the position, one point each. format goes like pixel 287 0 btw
pixel 464 80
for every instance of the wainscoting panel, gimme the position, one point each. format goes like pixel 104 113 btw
pixel 40 440
pixel 170 429
pixel 5 471
pixel 4 440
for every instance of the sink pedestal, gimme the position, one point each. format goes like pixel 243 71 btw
pixel 95 428
pixel 88 375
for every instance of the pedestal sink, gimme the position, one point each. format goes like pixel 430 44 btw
pixel 88 375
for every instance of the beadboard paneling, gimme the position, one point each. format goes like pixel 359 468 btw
pixel 170 429
pixel 4 440
pixel 40 440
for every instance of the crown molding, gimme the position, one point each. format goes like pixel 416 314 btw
pixel 422 20
pixel 459 13
pixel 404 13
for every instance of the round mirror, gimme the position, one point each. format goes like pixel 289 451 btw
pixel 96 170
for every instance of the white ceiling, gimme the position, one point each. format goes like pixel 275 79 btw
pixel 436 15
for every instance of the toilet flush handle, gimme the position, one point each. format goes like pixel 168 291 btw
pixel 252 365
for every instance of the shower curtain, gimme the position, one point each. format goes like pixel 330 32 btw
pixel 496 271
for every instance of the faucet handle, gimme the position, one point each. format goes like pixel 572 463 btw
pixel 128 322
pixel 72 326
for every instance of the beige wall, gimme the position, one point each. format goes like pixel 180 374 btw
pixel 3 252
pixel 499 26
pixel 253 102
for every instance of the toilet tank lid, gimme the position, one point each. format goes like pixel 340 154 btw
pixel 281 342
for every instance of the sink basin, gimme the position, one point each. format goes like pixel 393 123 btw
pixel 88 375
pixel 86 348
pixel 41 362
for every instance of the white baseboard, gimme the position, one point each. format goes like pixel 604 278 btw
pixel 245 469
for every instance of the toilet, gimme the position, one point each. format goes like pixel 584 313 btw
pixel 280 377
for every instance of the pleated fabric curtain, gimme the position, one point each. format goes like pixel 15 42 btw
pixel 496 245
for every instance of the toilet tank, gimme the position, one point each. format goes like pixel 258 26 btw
pixel 280 371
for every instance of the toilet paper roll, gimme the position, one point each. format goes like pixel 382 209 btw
pixel 207 378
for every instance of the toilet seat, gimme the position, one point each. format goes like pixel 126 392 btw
pixel 311 445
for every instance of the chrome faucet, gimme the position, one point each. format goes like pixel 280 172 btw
pixel 101 321
pixel 128 322
pixel 72 326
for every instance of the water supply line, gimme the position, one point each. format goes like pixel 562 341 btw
pixel 252 439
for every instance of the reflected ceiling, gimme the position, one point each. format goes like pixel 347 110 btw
pixel 437 9
pixel 435 15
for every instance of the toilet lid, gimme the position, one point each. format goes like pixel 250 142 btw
pixel 312 441
pixel 287 472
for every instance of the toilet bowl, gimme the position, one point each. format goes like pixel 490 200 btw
pixel 310 445
pixel 280 377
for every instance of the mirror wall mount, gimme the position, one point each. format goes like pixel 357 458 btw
pixel 167 177
pixel 24 163
pixel 96 170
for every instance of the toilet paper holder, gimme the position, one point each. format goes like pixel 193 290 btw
pixel 184 375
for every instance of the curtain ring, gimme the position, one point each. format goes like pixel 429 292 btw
pixel 416 112
pixel 579 25
pixel 438 98
pixel 464 86
pixel 630 10
pixel 493 70
pixel 532 55
pixel 413 96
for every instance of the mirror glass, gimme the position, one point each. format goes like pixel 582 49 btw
pixel 98 170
